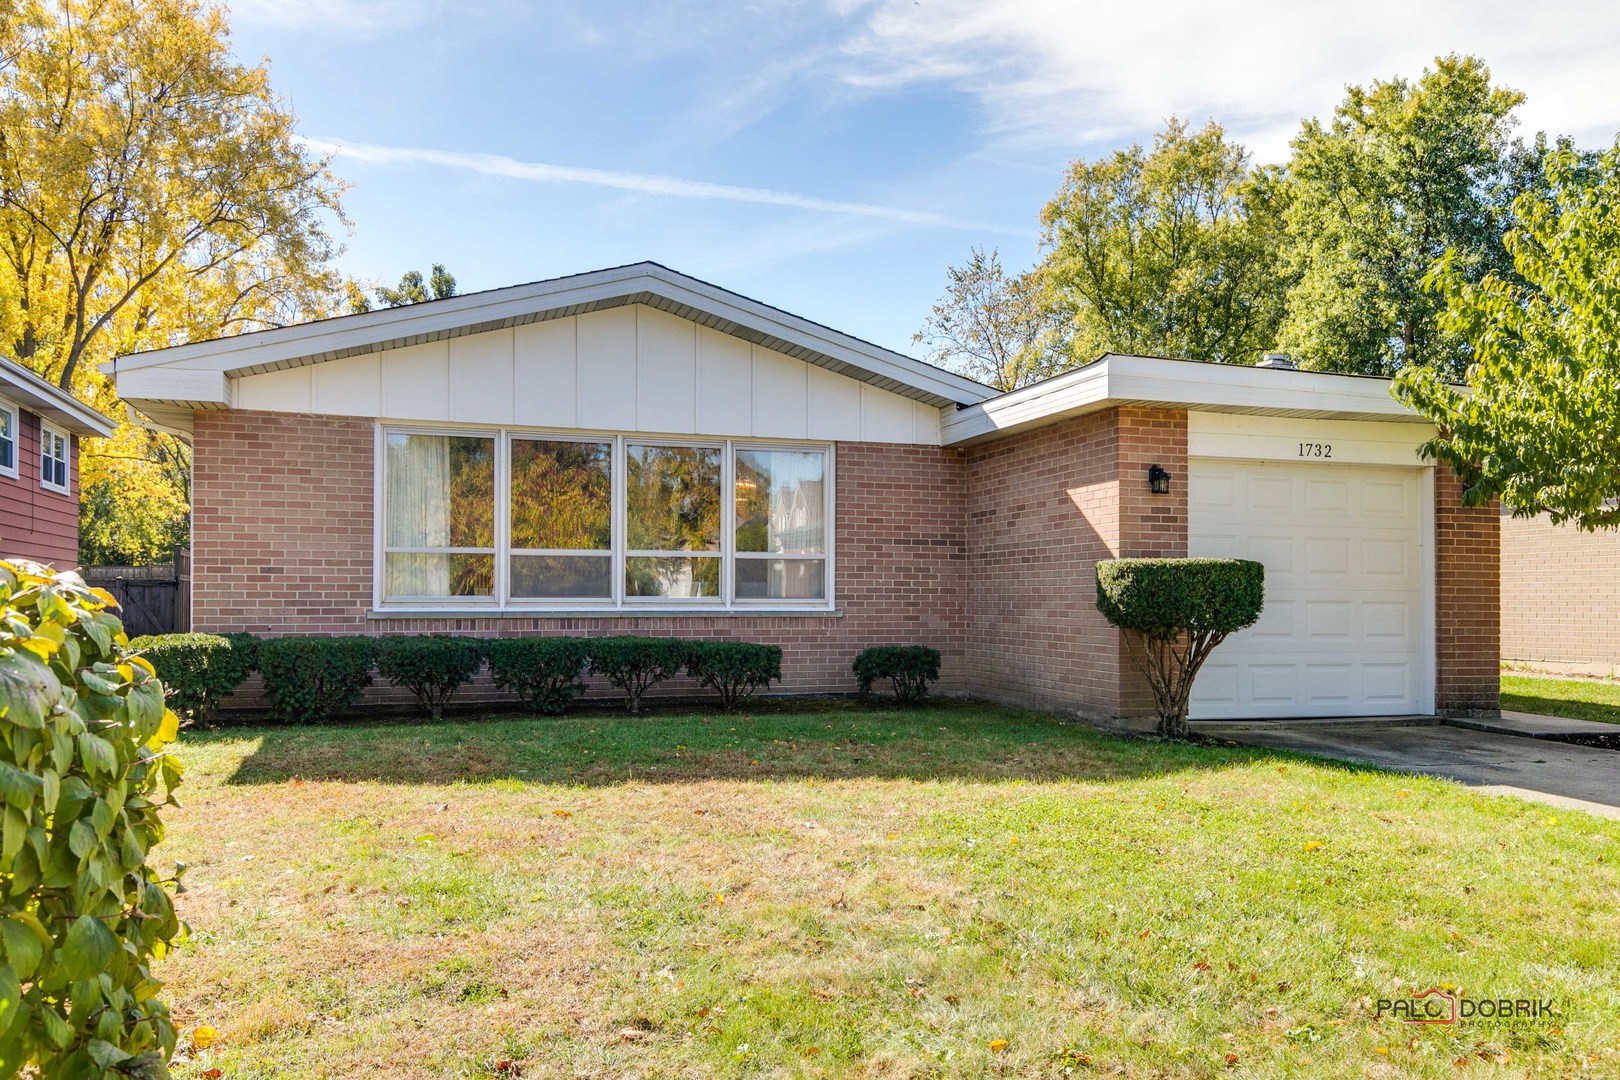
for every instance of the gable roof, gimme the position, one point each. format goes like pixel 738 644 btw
pixel 197 376
pixel 22 387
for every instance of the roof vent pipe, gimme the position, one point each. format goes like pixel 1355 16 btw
pixel 1278 360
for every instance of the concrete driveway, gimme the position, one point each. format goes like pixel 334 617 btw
pixel 1561 774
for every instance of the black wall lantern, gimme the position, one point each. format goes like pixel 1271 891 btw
pixel 1158 480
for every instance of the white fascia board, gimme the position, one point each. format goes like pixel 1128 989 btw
pixel 24 388
pixel 391 327
pixel 208 389
pixel 1180 384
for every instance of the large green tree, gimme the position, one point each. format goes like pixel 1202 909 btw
pixel 412 289
pixel 1403 173
pixel 1170 251
pixel 1538 423
pixel 993 327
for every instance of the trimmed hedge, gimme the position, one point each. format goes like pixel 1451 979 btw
pixel 199 669
pixel 431 666
pixel 909 669
pixel 543 672
pixel 634 664
pixel 1167 597
pixel 733 669
pixel 1175 612
pixel 307 678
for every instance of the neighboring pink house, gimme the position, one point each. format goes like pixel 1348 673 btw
pixel 40 428
pixel 637 451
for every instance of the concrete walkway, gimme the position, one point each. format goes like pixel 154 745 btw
pixel 1560 774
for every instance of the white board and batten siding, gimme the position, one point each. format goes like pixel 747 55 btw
pixel 633 369
pixel 1341 514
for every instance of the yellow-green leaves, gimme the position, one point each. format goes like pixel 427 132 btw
pixel 82 733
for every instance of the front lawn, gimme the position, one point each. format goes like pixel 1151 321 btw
pixel 1578 699
pixel 960 890
pixel 1575 698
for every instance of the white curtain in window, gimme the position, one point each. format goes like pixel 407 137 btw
pixel 418 509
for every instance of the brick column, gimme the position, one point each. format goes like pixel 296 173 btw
pixel 1150 526
pixel 1467 608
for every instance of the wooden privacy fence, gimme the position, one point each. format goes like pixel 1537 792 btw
pixel 151 599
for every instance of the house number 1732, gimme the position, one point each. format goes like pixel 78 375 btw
pixel 1315 449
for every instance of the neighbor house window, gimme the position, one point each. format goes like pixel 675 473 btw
pixel 535 521
pixel 9 422
pixel 53 458
pixel 439 516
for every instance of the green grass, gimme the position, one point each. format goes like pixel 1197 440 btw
pixel 1578 699
pixel 847 892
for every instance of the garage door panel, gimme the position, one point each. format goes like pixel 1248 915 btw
pixel 1328 683
pixel 1341 630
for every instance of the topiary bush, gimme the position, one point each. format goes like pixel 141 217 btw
pixel 307 678
pixel 83 773
pixel 733 669
pixel 634 664
pixel 909 669
pixel 199 669
pixel 1174 613
pixel 543 672
pixel 431 666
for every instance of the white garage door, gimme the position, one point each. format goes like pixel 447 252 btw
pixel 1345 628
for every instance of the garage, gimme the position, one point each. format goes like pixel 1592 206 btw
pixel 1346 627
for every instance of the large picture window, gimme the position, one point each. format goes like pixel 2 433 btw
pixel 672 501
pixel 562 519
pixel 532 521
pixel 439 516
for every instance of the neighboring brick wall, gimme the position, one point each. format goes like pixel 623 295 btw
pixel 1560 596
pixel 1467 600
pixel 1043 507
pixel 282 543
pixel 36 523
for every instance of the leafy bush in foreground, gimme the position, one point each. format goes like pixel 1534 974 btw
pixel 83 727
pixel 909 669
pixel 307 678
pixel 1175 612
pixel 542 671
pixel 733 669
pixel 431 666
pixel 199 669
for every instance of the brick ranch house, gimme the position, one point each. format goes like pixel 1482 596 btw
pixel 636 451
pixel 40 428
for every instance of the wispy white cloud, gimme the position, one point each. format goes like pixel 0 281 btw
pixel 643 183
pixel 1056 72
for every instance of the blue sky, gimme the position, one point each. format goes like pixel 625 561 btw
pixel 831 158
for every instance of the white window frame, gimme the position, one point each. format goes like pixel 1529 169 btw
pixel 503 533
pixel 619 603
pixel 14 470
pixel 46 432
pixel 381 551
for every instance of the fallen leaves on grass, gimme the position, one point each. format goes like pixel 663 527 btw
pixel 998 1045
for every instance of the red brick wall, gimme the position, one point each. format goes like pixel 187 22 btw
pixel 36 523
pixel 282 544
pixel 1467 600
pixel 1043 507
pixel 1560 596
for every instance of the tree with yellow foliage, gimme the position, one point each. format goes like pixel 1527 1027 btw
pixel 152 191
